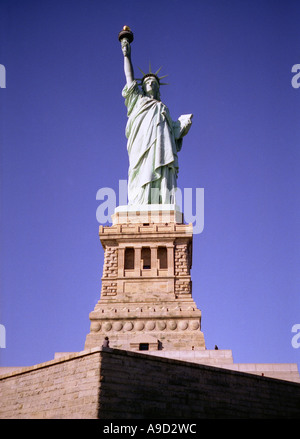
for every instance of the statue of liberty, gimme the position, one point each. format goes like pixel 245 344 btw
pixel 154 139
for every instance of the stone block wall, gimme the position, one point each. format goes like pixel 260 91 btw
pixel 110 271
pixel 160 388
pixel 66 387
pixel 182 266
pixel 182 260
pixel 115 384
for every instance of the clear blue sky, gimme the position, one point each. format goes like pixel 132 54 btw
pixel 63 138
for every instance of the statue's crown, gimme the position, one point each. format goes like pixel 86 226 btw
pixel 151 74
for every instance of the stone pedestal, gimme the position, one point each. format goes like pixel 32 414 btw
pixel 146 297
pixel 151 213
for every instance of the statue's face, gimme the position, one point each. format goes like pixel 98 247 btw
pixel 151 86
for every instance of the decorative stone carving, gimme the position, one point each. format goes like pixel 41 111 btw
pixel 161 325
pixel 183 325
pixel 107 326
pixel 150 325
pixel 194 325
pixel 172 325
pixel 95 326
pixel 117 326
pixel 128 326
pixel 139 326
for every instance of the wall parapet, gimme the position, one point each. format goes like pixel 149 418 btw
pixel 106 383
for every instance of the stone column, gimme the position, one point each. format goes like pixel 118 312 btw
pixel 137 260
pixel 154 265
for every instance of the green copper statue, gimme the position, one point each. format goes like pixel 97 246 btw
pixel 153 138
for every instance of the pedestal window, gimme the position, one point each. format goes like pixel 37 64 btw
pixel 129 259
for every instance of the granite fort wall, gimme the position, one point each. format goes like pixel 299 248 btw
pixel 115 384
pixel 152 387
pixel 67 387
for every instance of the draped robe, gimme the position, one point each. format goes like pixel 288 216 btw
pixel 153 142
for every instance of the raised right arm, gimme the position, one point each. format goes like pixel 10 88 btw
pixel 128 68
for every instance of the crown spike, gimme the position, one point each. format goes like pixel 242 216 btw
pixel 156 73
pixel 141 71
pixel 150 71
